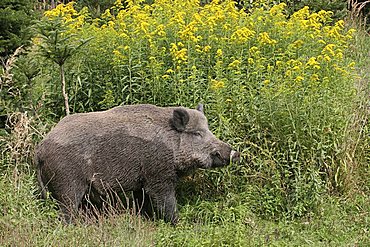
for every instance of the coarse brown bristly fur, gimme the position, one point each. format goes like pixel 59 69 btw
pixel 127 148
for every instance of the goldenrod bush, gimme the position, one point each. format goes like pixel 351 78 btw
pixel 279 89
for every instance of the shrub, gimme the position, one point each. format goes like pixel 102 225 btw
pixel 15 18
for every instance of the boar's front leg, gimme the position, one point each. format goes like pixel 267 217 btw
pixel 164 200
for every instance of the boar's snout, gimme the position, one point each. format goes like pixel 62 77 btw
pixel 223 158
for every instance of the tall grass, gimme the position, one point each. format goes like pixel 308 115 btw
pixel 27 221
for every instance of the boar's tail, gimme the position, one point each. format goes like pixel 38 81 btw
pixel 39 163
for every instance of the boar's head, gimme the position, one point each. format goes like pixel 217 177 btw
pixel 197 147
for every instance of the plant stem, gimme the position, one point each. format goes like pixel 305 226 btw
pixel 65 95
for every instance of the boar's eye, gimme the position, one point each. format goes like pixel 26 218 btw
pixel 197 133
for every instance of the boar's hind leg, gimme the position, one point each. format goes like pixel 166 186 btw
pixel 164 200
pixel 69 198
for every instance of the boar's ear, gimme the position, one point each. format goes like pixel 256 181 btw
pixel 180 119
pixel 200 108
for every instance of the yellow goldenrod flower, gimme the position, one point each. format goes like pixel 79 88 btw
pixel 160 30
pixel 198 18
pixel 340 24
pixel 242 35
pixel 294 63
pixel 298 43
pixel 301 14
pixel 270 68
pixel 299 78
pixel 116 53
pixel 234 64
pixel 188 32
pixel 215 84
pixel 178 18
pixel 106 14
pixel 118 4
pixel 111 23
pixel 334 33
pixel 207 48
pixel 349 33
pixel 279 63
pixel 118 57
pixel 226 26
pixel 264 38
pixel 296 68
pixel 70 16
pixel 328 49
pixel 36 40
pixel 314 77
pixel 312 61
pixel 277 9
pixel 324 15
pixel 218 53
pixel 188 38
pixel 281 23
pixel 179 56
pixel 327 58
pixel 253 49
pixel 123 35
pixel 63 10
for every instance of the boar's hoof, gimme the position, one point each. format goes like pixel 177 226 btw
pixel 235 156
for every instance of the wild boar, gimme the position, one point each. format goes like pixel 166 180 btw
pixel 127 148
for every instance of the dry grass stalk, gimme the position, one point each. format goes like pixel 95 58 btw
pixel 357 6
pixel 19 144
pixel 6 78
pixel 355 13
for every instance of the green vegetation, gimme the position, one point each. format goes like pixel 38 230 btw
pixel 289 88
pixel 15 19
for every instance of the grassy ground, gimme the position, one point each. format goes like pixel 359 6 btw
pixel 25 221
